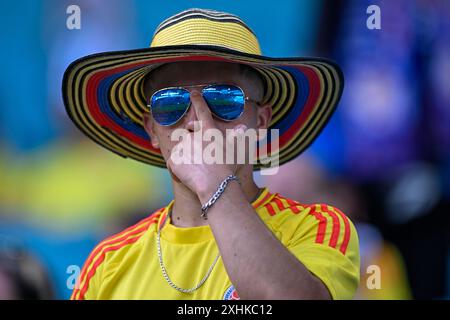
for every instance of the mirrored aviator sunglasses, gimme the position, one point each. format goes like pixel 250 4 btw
pixel 225 101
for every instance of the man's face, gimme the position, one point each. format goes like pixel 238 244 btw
pixel 182 74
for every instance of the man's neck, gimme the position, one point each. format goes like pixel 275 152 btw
pixel 186 209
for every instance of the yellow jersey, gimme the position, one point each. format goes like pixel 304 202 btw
pixel 126 265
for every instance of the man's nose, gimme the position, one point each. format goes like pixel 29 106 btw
pixel 191 119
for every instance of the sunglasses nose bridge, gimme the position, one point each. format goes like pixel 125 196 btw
pixel 192 90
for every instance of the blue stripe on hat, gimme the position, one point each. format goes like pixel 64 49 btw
pixel 105 107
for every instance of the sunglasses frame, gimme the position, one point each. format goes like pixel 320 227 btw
pixel 246 98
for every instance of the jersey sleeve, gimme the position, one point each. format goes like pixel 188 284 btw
pixel 89 279
pixel 325 241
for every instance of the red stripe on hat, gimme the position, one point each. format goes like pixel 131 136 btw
pixel 321 230
pixel 336 226
pixel 314 85
pixel 104 120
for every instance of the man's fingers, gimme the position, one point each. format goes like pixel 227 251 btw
pixel 169 165
pixel 237 132
pixel 202 110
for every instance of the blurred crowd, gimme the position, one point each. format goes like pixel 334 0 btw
pixel 383 159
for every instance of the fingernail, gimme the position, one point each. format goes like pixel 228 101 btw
pixel 240 129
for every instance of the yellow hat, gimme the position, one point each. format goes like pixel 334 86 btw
pixel 104 97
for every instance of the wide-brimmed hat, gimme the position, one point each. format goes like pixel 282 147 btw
pixel 104 96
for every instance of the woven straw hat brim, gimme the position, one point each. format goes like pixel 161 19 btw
pixel 103 95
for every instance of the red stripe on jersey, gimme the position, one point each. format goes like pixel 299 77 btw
pixel 163 219
pixel 346 239
pixel 100 260
pixel 116 240
pixel 280 204
pixel 270 209
pixel 113 239
pixel 293 205
pixel 336 226
pixel 98 249
pixel 322 226
pixel 118 245
pixel 259 203
pixel 295 209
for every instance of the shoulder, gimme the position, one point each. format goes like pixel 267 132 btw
pixel 322 237
pixel 319 223
pixel 130 235
pixel 104 253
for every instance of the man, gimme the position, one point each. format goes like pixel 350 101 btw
pixel 222 237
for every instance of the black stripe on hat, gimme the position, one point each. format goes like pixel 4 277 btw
pixel 208 12
pixel 201 14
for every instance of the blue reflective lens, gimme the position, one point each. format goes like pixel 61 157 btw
pixel 225 101
pixel 168 106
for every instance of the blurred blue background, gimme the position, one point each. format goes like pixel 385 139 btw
pixel 384 158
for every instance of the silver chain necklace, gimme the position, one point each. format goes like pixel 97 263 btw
pixel 164 271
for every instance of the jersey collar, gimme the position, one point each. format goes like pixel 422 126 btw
pixel 175 234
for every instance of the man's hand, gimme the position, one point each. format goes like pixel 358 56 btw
pixel 201 177
pixel 248 248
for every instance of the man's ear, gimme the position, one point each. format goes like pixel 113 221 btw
pixel 149 127
pixel 264 116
